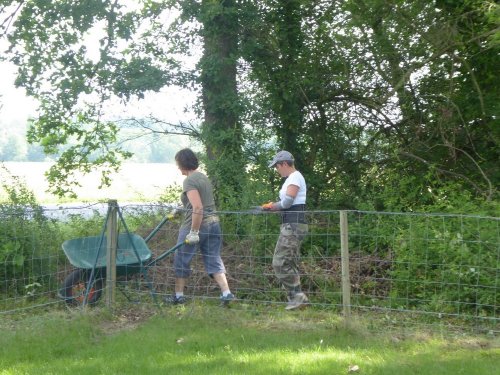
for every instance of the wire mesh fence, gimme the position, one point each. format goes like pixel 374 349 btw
pixel 418 267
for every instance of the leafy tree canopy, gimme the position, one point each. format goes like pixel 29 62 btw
pixel 385 103
pixel 75 57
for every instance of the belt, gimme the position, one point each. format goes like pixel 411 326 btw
pixel 210 219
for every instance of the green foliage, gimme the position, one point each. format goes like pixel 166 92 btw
pixel 77 225
pixel 74 59
pixel 446 265
pixel 93 147
pixel 427 262
pixel 373 98
pixel 137 76
pixel 385 104
pixel 54 46
pixel 398 189
pixel 172 194
pixel 23 243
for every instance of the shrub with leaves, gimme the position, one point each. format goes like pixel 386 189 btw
pixel 447 264
pixel 25 234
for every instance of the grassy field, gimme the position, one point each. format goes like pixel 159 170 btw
pixel 135 182
pixel 207 339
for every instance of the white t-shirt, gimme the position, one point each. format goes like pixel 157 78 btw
pixel 296 179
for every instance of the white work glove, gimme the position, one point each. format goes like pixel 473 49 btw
pixel 193 237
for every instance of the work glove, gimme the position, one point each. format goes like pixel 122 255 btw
pixel 267 206
pixel 193 237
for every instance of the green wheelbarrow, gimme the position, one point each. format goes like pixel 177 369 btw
pixel 84 285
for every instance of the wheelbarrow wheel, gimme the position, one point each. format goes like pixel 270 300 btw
pixel 75 287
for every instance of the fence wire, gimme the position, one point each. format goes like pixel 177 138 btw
pixel 407 267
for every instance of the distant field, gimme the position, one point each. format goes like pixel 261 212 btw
pixel 135 181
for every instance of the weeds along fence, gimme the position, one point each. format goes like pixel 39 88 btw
pixel 406 266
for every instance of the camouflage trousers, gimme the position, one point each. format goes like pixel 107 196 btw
pixel 286 257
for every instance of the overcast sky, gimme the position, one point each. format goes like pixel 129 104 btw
pixel 15 105
pixel 169 104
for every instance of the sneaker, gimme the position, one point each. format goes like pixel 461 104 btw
pixel 299 300
pixel 174 300
pixel 226 299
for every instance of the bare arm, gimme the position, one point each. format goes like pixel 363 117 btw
pixel 195 200
pixel 292 190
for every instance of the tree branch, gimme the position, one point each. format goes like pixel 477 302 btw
pixel 148 125
pixel 444 171
pixel 490 185
pixel 5 25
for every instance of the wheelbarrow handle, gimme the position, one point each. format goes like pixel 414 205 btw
pixel 165 254
pixel 169 217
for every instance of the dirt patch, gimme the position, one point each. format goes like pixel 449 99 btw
pixel 126 319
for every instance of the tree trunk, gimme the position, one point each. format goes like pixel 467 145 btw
pixel 221 131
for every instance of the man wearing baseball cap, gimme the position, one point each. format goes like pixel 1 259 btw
pixel 292 204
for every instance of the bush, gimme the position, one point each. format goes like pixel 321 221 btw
pixel 447 264
pixel 26 237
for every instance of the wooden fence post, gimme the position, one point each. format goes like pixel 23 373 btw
pixel 112 244
pixel 344 252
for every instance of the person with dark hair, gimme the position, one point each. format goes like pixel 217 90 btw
pixel 293 228
pixel 200 228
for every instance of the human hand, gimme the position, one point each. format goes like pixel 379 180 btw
pixel 267 206
pixel 193 237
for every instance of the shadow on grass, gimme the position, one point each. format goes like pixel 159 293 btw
pixel 204 339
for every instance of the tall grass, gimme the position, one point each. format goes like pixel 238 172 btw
pixel 205 339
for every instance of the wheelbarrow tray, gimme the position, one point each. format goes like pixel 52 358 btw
pixel 82 252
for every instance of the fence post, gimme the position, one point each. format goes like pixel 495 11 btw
pixel 344 252
pixel 112 244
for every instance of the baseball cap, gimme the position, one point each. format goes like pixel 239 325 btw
pixel 281 156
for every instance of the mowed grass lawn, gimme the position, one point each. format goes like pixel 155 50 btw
pixel 207 339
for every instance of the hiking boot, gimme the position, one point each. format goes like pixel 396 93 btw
pixel 174 300
pixel 226 299
pixel 299 300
